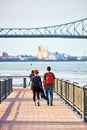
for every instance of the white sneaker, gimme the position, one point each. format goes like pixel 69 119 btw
pixel 35 103
pixel 38 103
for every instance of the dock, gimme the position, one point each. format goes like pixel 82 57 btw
pixel 18 112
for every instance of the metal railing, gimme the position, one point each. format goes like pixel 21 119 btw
pixel 74 95
pixel 18 81
pixel 5 88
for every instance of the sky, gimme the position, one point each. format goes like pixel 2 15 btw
pixel 41 13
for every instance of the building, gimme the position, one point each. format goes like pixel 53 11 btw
pixel 4 54
pixel 42 52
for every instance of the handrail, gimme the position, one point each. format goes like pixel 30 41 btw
pixel 5 88
pixel 74 95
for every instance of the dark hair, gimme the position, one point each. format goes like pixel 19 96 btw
pixel 32 71
pixel 49 68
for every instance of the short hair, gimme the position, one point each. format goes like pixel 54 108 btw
pixel 49 68
pixel 36 72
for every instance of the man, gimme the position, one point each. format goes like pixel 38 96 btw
pixel 49 83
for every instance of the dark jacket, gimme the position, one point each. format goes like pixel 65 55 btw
pixel 36 83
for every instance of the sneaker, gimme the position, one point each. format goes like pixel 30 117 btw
pixel 38 103
pixel 35 104
pixel 48 103
pixel 51 103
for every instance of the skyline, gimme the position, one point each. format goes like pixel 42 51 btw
pixel 37 53
pixel 41 13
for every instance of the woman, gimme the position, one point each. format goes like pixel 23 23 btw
pixel 31 76
pixel 36 87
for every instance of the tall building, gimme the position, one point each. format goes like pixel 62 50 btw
pixel 42 52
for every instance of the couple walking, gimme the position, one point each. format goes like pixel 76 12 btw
pixel 37 87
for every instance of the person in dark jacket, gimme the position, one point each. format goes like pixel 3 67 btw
pixel 36 87
pixel 31 76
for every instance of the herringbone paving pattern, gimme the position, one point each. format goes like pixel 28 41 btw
pixel 18 112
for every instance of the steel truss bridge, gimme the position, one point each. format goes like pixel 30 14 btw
pixel 76 29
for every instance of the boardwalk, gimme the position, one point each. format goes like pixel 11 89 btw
pixel 18 112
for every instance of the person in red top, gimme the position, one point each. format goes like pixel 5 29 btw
pixel 49 83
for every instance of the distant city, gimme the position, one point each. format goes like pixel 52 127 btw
pixel 42 55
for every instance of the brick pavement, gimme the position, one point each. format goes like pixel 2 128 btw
pixel 18 111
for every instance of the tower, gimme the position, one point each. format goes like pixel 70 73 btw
pixel 42 52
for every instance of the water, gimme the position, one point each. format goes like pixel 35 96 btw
pixel 72 71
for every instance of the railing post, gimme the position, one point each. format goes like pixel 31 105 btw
pixel 56 85
pixel 66 90
pixel 61 88
pixel 85 103
pixel 11 85
pixel 5 86
pixel 0 92
pixel 74 84
pixel 8 86
pixel 24 84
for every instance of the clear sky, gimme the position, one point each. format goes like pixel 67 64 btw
pixel 41 13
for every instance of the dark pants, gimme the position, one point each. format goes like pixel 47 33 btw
pixel 36 95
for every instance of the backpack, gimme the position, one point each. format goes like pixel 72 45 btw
pixel 49 79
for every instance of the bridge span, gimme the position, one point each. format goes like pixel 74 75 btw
pixel 76 29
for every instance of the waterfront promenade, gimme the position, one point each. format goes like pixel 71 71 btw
pixel 18 112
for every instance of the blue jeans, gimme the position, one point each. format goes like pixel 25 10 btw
pixel 49 94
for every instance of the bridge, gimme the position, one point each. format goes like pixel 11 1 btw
pixel 76 29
